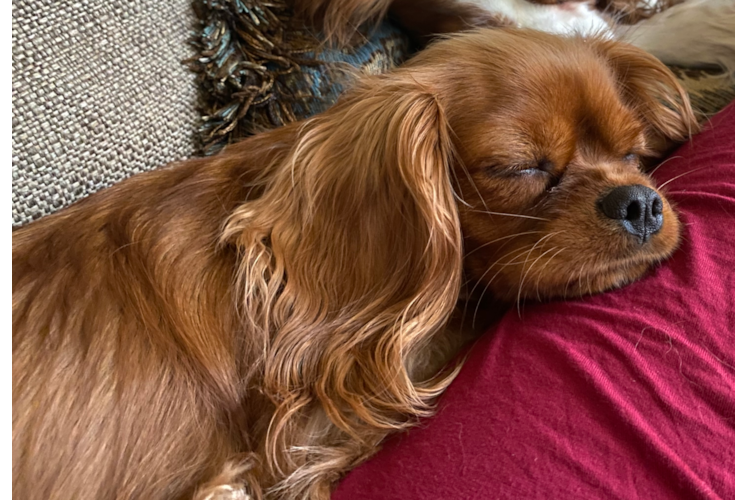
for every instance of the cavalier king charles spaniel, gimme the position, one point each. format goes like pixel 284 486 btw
pixel 688 33
pixel 259 321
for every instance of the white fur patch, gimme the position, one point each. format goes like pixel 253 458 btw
pixel 566 19
pixel 647 4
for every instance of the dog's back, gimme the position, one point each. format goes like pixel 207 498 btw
pixel 125 383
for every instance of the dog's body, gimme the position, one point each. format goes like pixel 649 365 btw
pixel 265 317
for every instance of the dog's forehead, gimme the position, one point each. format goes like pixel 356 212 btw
pixel 536 133
pixel 530 93
pixel 590 108
pixel 549 72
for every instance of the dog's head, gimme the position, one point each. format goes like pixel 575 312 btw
pixel 548 137
pixel 513 153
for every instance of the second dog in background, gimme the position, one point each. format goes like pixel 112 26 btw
pixel 688 33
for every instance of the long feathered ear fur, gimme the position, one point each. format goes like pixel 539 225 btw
pixel 350 264
pixel 654 92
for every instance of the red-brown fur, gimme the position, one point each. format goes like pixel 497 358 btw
pixel 265 317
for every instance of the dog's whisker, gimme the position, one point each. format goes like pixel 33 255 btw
pixel 511 236
pixel 678 177
pixel 485 289
pixel 520 216
pixel 522 281
pixel 663 163
pixel 499 262
pixel 524 273
pixel 472 182
pixel 513 261
pixel 568 284
pixel 542 270
pixel 496 274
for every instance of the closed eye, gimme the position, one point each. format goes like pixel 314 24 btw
pixel 525 171
pixel 543 167
pixel 542 173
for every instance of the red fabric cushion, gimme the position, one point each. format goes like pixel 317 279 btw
pixel 629 394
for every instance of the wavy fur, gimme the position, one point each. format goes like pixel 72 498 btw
pixel 257 322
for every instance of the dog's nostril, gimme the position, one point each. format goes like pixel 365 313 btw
pixel 634 211
pixel 637 208
pixel 657 206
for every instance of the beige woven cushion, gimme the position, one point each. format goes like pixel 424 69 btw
pixel 99 93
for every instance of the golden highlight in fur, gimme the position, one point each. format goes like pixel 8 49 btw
pixel 264 318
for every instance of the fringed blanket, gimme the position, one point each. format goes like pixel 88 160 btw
pixel 259 69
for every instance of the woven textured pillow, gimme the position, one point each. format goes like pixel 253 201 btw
pixel 99 94
pixel 100 91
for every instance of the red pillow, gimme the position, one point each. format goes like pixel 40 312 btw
pixel 629 394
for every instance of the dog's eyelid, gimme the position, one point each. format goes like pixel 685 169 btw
pixel 530 168
pixel 635 152
pixel 508 168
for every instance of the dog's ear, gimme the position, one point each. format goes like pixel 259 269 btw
pixel 352 259
pixel 652 90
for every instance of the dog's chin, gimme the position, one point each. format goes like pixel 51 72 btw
pixel 572 279
pixel 592 282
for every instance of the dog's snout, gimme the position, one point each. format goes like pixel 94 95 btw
pixel 637 208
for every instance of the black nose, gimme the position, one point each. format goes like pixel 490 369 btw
pixel 637 208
